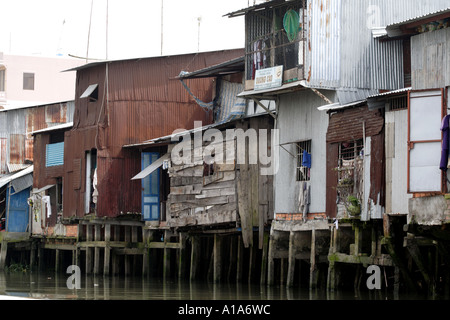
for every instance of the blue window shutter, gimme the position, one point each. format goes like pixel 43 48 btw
pixel 54 154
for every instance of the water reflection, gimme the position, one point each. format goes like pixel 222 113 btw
pixel 43 286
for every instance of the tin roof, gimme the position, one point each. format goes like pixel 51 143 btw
pixel 54 128
pixel 261 6
pixel 8 178
pixel 399 28
pixel 221 69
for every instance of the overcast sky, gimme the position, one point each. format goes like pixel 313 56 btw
pixel 51 27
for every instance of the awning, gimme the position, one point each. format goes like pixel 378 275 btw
pixel 87 93
pixel 273 92
pixel 8 178
pixel 44 188
pixel 155 165
pixel 338 106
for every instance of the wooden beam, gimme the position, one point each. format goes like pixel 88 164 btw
pixel 264 107
pixel 217 258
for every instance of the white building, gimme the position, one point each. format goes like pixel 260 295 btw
pixel 35 80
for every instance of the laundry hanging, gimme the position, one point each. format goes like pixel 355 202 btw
pixel 46 200
pixel 306 161
pixel 445 143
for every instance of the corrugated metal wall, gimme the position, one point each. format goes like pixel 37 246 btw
pixel 145 101
pixel 341 51
pixel 16 125
pixel 430 55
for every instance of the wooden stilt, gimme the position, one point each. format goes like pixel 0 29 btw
pixel 107 256
pixel 88 250
pixel 195 255
pixel 146 238
pixel 291 261
pixel 264 258
pixel 217 258
pixel 232 258
pixel 33 257
pixel 166 258
pixel 3 252
pixel 270 263
pixel 240 259
pixel 97 237
pixel 182 255
pixel 57 260
pixel 115 263
pixel 313 269
pixel 41 262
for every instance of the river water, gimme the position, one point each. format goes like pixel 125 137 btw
pixel 54 287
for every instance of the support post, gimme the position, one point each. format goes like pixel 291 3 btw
pixel 97 250
pixel 264 258
pixel 88 250
pixel 3 252
pixel 240 259
pixel 182 255
pixel 195 255
pixel 166 258
pixel 291 260
pixel 270 263
pixel 217 258
pixel 313 270
pixel 107 257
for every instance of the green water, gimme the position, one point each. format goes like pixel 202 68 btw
pixel 54 287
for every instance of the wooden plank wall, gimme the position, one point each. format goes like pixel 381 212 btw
pixel 235 193
pixel 198 199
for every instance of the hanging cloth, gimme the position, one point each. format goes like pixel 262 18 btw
pixel 291 24
pixel 445 143
pixel 306 161
pixel 46 200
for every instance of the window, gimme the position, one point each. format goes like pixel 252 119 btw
pixel 425 114
pixel 271 42
pixel 2 78
pixel 400 103
pixel 54 154
pixel 28 81
pixel 349 151
pixel 303 161
pixel 91 166
pixel 91 93
pixel 350 158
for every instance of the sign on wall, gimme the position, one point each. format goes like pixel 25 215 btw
pixel 269 78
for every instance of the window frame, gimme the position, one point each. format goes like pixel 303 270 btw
pixel 411 143
pixel 26 85
pixel 300 170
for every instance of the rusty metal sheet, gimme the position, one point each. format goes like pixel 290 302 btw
pixel 16 148
pixel 348 125
pixel 145 101
pixel 3 155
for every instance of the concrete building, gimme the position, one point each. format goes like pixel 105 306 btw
pixel 35 80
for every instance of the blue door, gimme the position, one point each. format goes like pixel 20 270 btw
pixel 150 188
pixel 18 210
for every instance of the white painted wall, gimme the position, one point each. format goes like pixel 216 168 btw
pixel 397 162
pixel 299 120
pixel 50 83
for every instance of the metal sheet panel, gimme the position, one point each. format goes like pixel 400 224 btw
pixel 145 100
pixel 17 217
pixel 16 148
pixel 341 51
pixel 22 183
pixel 430 55
pixel 54 154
